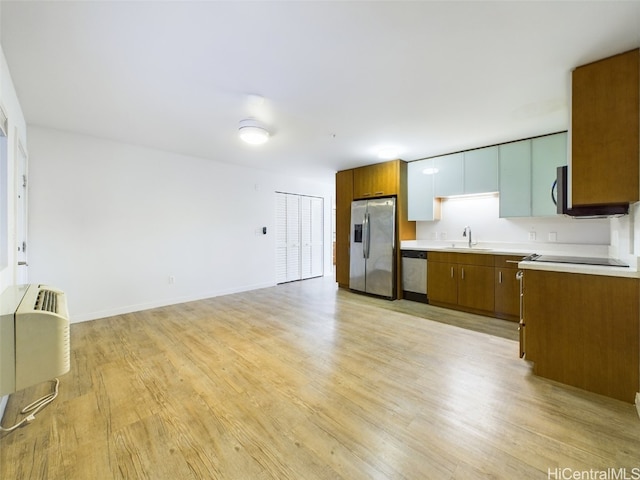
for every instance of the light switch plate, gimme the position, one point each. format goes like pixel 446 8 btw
pixel 532 236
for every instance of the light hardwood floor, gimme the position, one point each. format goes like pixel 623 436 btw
pixel 303 381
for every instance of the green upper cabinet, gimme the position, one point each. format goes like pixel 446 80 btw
pixel 449 179
pixel 473 171
pixel 422 205
pixel 522 172
pixel 547 154
pixel 527 170
pixel 481 170
pixel 515 179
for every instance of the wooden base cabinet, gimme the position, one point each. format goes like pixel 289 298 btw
pixel 461 280
pixel 583 330
pixel 442 281
pixel 507 287
pixel 476 288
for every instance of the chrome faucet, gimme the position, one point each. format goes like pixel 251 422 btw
pixel 464 234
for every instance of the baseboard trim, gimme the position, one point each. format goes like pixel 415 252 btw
pixel 638 403
pixel 85 317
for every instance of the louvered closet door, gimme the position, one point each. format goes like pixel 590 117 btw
pixel 299 237
pixel 287 238
pixel 305 235
pixel 281 237
pixel 293 238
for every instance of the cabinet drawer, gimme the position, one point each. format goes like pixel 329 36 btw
pixel 507 261
pixel 483 259
pixel 462 258
pixel 444 257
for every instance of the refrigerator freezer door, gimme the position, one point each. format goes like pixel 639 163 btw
pixel 358 238
pixel 381 245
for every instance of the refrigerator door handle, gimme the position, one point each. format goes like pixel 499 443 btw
pixel 367 235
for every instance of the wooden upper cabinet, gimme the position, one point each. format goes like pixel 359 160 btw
pixel 377 180
pixel 605 131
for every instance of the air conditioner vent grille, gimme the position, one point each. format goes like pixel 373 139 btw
pixel 47 301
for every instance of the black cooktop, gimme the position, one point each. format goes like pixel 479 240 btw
pixel 607 262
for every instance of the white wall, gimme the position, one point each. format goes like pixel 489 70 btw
pixel 109 223
pixel 625 242
pixel 482 215
pixel 17 132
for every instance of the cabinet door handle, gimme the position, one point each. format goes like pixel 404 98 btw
pixel 378 193
pixel 451 272
pixel 500 276
pixel 462 275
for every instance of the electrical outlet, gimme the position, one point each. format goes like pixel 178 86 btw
pixel 532 236
pixel 553 237
pixel 172 279
pixel 443 235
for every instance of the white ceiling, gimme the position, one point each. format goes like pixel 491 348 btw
pixel 339 79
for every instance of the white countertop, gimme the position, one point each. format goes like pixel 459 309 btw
pixel 627 272
pixel 498 248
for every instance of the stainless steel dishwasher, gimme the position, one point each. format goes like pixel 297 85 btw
pixel 414 275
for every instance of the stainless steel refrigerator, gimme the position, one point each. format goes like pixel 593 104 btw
pixel 372 264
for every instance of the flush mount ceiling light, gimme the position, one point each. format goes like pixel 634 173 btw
pixel 252 132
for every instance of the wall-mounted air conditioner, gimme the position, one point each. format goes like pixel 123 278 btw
pixel 34 336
